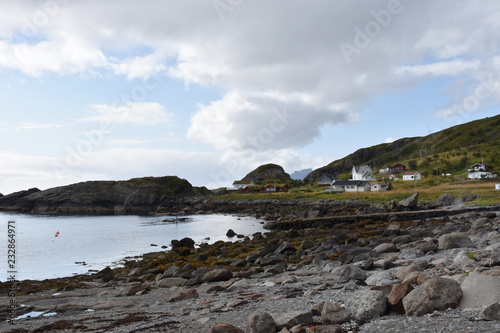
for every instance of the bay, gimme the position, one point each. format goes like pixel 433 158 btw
pixel 59 246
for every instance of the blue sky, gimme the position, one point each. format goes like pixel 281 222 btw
pixel 209 90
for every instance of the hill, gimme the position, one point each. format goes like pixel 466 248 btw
pixel 448 151
pixel 267 172
pixel 135 196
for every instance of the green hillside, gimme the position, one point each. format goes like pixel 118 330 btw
pixel 451 150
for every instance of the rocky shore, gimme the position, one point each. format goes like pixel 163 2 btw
pixel 437 274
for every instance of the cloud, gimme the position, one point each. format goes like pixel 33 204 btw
pixel 290 61
pixel 453 67
pixel 30 126
pixel 138 113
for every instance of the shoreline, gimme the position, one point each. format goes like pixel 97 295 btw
pixel 293 273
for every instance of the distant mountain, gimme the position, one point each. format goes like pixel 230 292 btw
pixel 301 174
pixel 449 150
pixel 268 172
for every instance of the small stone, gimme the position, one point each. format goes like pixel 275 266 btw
pixel 454 240
pixel 230 233
pixel 186 294
pixel 224 328
pixel 261 323
pixel 491 312
pixel 333 313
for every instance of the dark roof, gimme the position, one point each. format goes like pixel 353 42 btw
pixel 350 182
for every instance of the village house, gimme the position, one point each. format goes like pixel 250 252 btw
pixel 350 186
pixel 397 168
pixel 324 181
pixel 391 177
pixel 362 172
pixel 378 187
pixel 481 170
pixel 272 188
pixel 412 176
pixel 237 184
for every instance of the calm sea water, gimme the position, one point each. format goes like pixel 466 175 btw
pixel 100 241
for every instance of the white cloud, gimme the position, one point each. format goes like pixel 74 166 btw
pixel 389 140
pixel 291 60
pixel 29 126
pixel 138 113
pixel 453 67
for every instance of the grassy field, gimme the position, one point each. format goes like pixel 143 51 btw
pixel 485 189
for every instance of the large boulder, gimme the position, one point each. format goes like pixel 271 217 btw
pixel 454 240
pixel 291 319
pixel 445 200
pixel 366 305
pixel 480 290
pixel 435 294
pixel 219 274
pixel 410 202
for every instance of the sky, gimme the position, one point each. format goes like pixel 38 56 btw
pixel 208 90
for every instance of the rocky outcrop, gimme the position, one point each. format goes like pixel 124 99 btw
pixel 267 172
pixel 135 196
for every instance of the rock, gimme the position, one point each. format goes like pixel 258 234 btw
pixel 416 277
pixel 384 248
pixel 277 269
pixel 435 294
pixel 410 202
pixel 491 312
pixel 261 323
pixel 333 313
pixel 445 200
pixel 230 233
pixel 325 329
pixel 454 240
pixel 134 272
pixel 291 319
pixel 137 288
pixel 398 293
pixel 352 272
pixel 469 197
pixel 224 328
pixel 480 290
pixel 382 278
pixel 366 305
pixel 403 239
pixel 401 274
pixel 171 282
pixel 172 271
pixel 285 248
pixel 186 294
pixel 218 274
pixel 306 244
pixel 185 242
pixel 410 254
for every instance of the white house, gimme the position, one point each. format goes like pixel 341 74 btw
pixel 378 187
pixel 412 176
pixel 480 171
pixel 242 183
pixel 363 172
pixel 480 174
pixel 350 186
